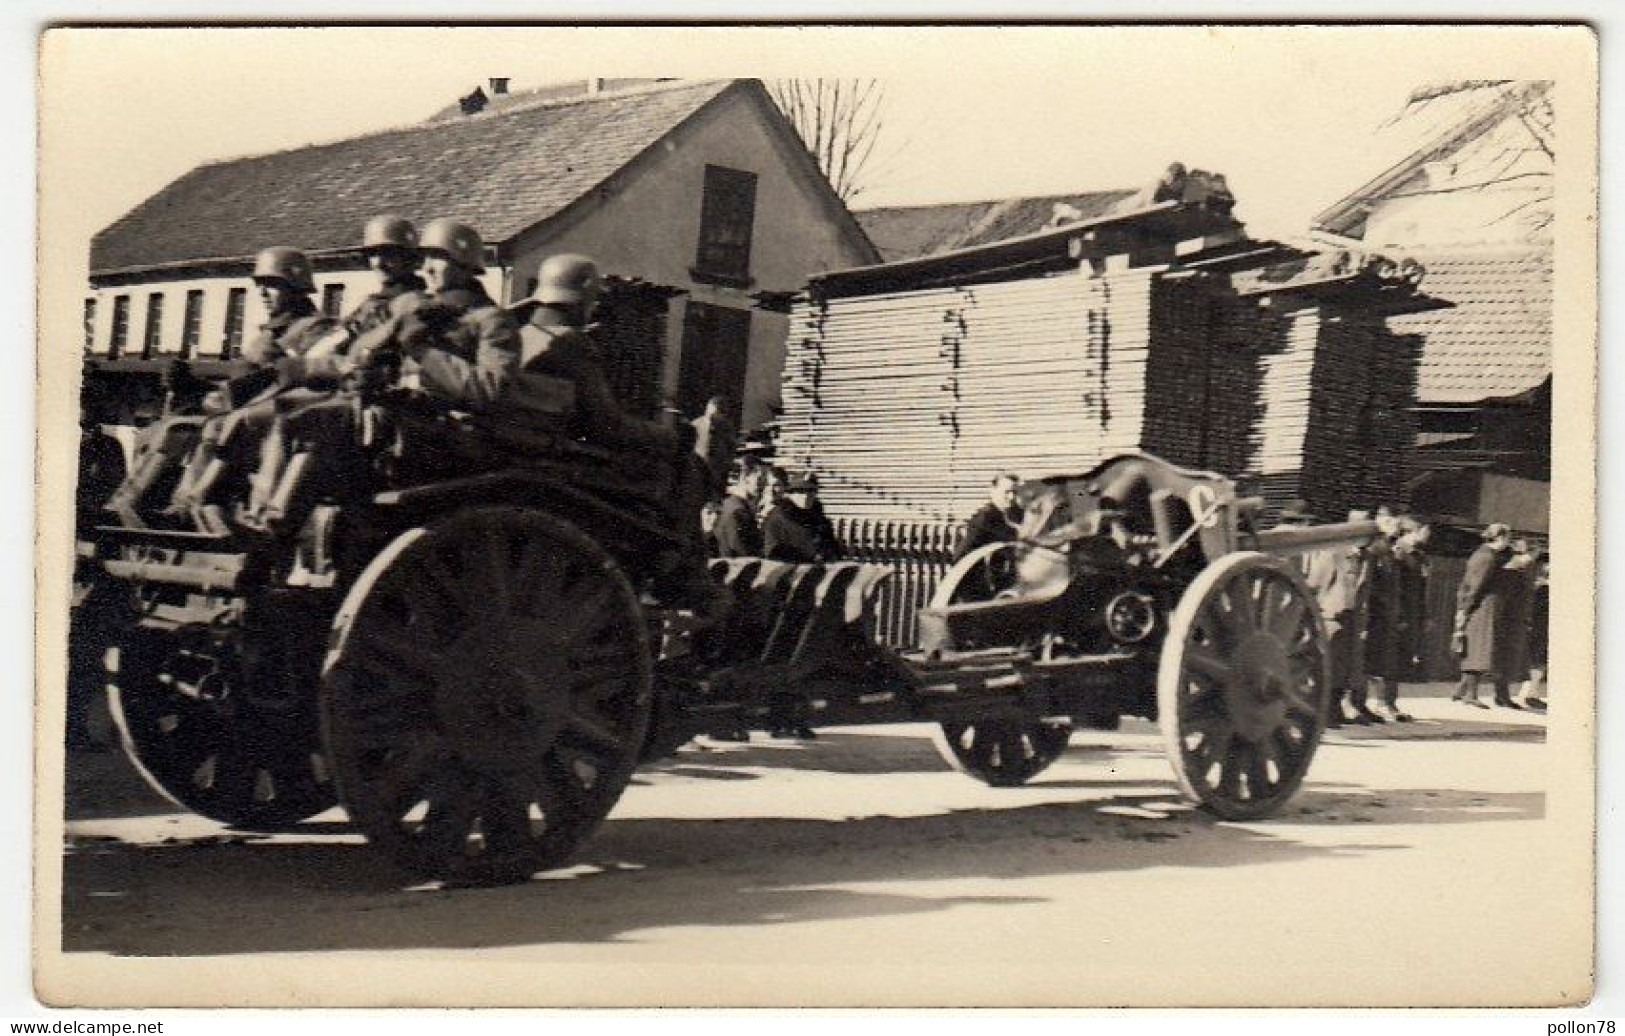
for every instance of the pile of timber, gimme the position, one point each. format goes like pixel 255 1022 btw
pixel 907 399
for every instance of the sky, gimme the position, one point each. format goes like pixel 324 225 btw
pixel 1288 116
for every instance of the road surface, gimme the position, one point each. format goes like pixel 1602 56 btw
pixel 860 869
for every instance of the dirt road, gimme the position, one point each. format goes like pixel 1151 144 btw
pixel 860 869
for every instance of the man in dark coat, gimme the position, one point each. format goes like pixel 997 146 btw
pixel 736 533
pixel 1480 600
pixel 1534 691
pixel 1338 576
pixel 797 529
pixel 997 520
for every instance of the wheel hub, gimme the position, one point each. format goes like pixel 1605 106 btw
pixel 499 702
pixel 1256 692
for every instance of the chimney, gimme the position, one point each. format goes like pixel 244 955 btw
pixel 498 87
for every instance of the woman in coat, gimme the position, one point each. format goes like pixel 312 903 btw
pixel 1480 623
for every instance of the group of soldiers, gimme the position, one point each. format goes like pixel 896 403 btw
pixel 291 429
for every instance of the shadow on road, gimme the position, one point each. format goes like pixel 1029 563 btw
pixel 250 894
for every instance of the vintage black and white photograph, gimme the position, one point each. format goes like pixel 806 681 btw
pixel 865 516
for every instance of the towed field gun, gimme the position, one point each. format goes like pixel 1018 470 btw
pixel 496 664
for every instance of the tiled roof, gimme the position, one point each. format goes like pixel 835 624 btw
pixel 501 171
pixel 574 89
pixel 1497 341
pixel 912 231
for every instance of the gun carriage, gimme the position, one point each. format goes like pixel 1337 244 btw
pixel 474 663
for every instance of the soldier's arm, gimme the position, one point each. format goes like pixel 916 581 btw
pixel 478 381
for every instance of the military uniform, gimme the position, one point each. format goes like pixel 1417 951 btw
pixel 225 441
pixel 552 347
pixel 310 413
pixel 461 347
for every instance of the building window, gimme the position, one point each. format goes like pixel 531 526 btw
pixel 155 326
pixel 192 328
pixel 121 326
pixel 727 212
pixel 716 353
pixel 232 343
pixel 90 324
pixel 333 300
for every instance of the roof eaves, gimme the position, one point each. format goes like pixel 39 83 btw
pixel 1343 215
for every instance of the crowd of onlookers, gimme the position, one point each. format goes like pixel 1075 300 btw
pixel 1374 603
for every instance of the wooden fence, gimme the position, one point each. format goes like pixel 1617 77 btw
pixel 917 551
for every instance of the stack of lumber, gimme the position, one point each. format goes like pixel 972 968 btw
pixel 907 402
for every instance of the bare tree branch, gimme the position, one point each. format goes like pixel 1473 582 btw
pixel 840 121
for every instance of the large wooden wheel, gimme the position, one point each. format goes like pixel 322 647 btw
pixel 248 757
pixel 1242 686
pixel 487 693
pixel 1003 752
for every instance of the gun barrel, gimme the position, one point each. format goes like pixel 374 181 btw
pixel 1303 539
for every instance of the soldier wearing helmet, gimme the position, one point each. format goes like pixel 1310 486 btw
pixel 390 245
pixel 461 343
pixel 223 447
pixel 554 340
pixel 308 413
pixel 292 323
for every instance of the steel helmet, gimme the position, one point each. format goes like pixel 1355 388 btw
pixel 288 265
pixel 458 242
pixel 567 278
pixel 389 232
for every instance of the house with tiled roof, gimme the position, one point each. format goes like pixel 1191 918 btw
pixel 700 192
pixel 1461 181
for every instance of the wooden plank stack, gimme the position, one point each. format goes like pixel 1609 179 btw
pixel 906 402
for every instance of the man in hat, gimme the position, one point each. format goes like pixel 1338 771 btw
pixel 1480 600
pixel 1385 656
pixel 797 529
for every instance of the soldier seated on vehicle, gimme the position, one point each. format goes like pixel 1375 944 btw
pixel 361 354
pixel 456 351
pixel 229 439
pixel 555 341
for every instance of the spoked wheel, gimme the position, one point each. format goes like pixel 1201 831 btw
pixel 981 575
pixel 1004 753
pixel 197 734
pixel 1242 686
pixel 487 694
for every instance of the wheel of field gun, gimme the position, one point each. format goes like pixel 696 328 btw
pixel 1003 753
pixel 981 575
pixel 199 735
pixel 1242 686
pixel 486 695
